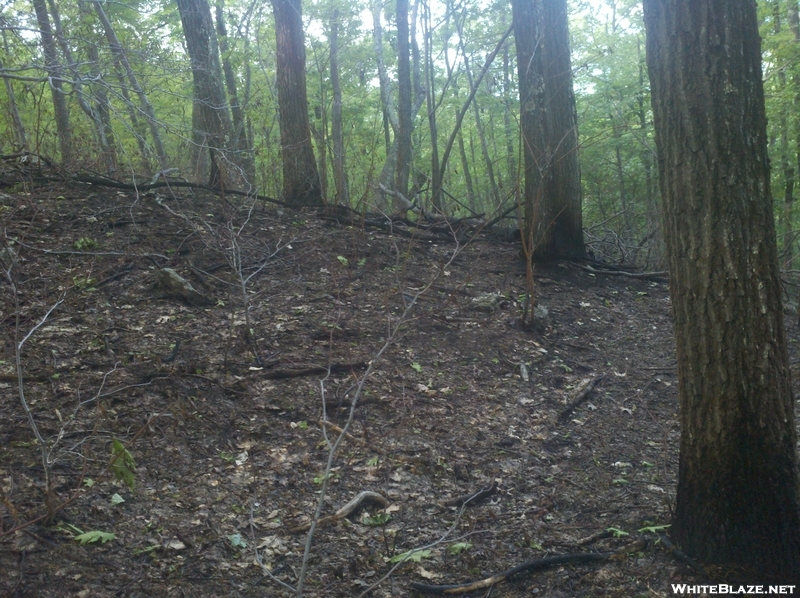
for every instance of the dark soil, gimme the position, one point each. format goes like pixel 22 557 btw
pixel 229 448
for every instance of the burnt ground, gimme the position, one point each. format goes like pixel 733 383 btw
pixel 229 451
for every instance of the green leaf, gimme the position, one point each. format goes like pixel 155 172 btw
pixel 459 547
pixel 226 456
pixel 618 533
pixel 88 482
pixel 362 261
pixel 124 467
pixel 416 367
pixel 116 499
pixel 375 520
pixel 342 260
pixel 415 556
pixel 95 536
pixel 237 541
pixel 654 529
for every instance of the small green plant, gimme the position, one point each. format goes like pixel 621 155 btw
pixel 93 536
pixel 237 541
pixel 342 260
pixel 654 529
pixel 618 533
pixel 459 547
pixel 82 283
pixel 123 466
pixel 376 520
pixel 416 367
pixel 85 243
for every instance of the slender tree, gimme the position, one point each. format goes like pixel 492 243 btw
pixel 404 115
pixel 339 162
pixel 54 72
pixel 737 497
pixel 301 183
pixel 240 142
pixel 123 64
pixel 211 120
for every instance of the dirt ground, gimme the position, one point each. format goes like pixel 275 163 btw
pixel 225 424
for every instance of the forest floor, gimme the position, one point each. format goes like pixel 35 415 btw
pixel 229 450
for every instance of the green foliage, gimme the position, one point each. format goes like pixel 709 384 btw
pixel 377 520
pixel 123 466
pixel 85 243
pixel 237 541
pixel 94 536
pixel 459 547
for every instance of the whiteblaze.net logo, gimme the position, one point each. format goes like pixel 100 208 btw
pixel 723 588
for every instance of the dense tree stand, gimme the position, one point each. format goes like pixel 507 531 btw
pixel 737 498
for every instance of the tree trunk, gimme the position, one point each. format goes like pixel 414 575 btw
pixel 788 217
pixel 563 183
pixel 301 184
pixel 509 130
pixel 487 158
pixel 404 122
pixel 467 176
pixel 737 497
pixel 240 141
pixel 54 72
pixel 210 117
pixel 654 228
pixel 339 162
pixel 536 230
pixel 119 56
pixel 19 128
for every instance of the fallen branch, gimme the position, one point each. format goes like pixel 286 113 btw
pixel 660 276
pixel 471 499
pixel 362 498
pixel 543 563
pixel 336 368
pixel 579 397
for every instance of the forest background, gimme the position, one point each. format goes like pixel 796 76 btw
pixel 125 73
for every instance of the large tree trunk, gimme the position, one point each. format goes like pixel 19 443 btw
pixel 737 497
pixel 301 184
pixel 211 119
pixel 563 186
pixel 54 72
pixel 528 39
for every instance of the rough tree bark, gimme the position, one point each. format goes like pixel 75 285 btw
pixel 528 39
pixel 553 219
pixel 301 183
pixel 563 185
pixel 737 497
